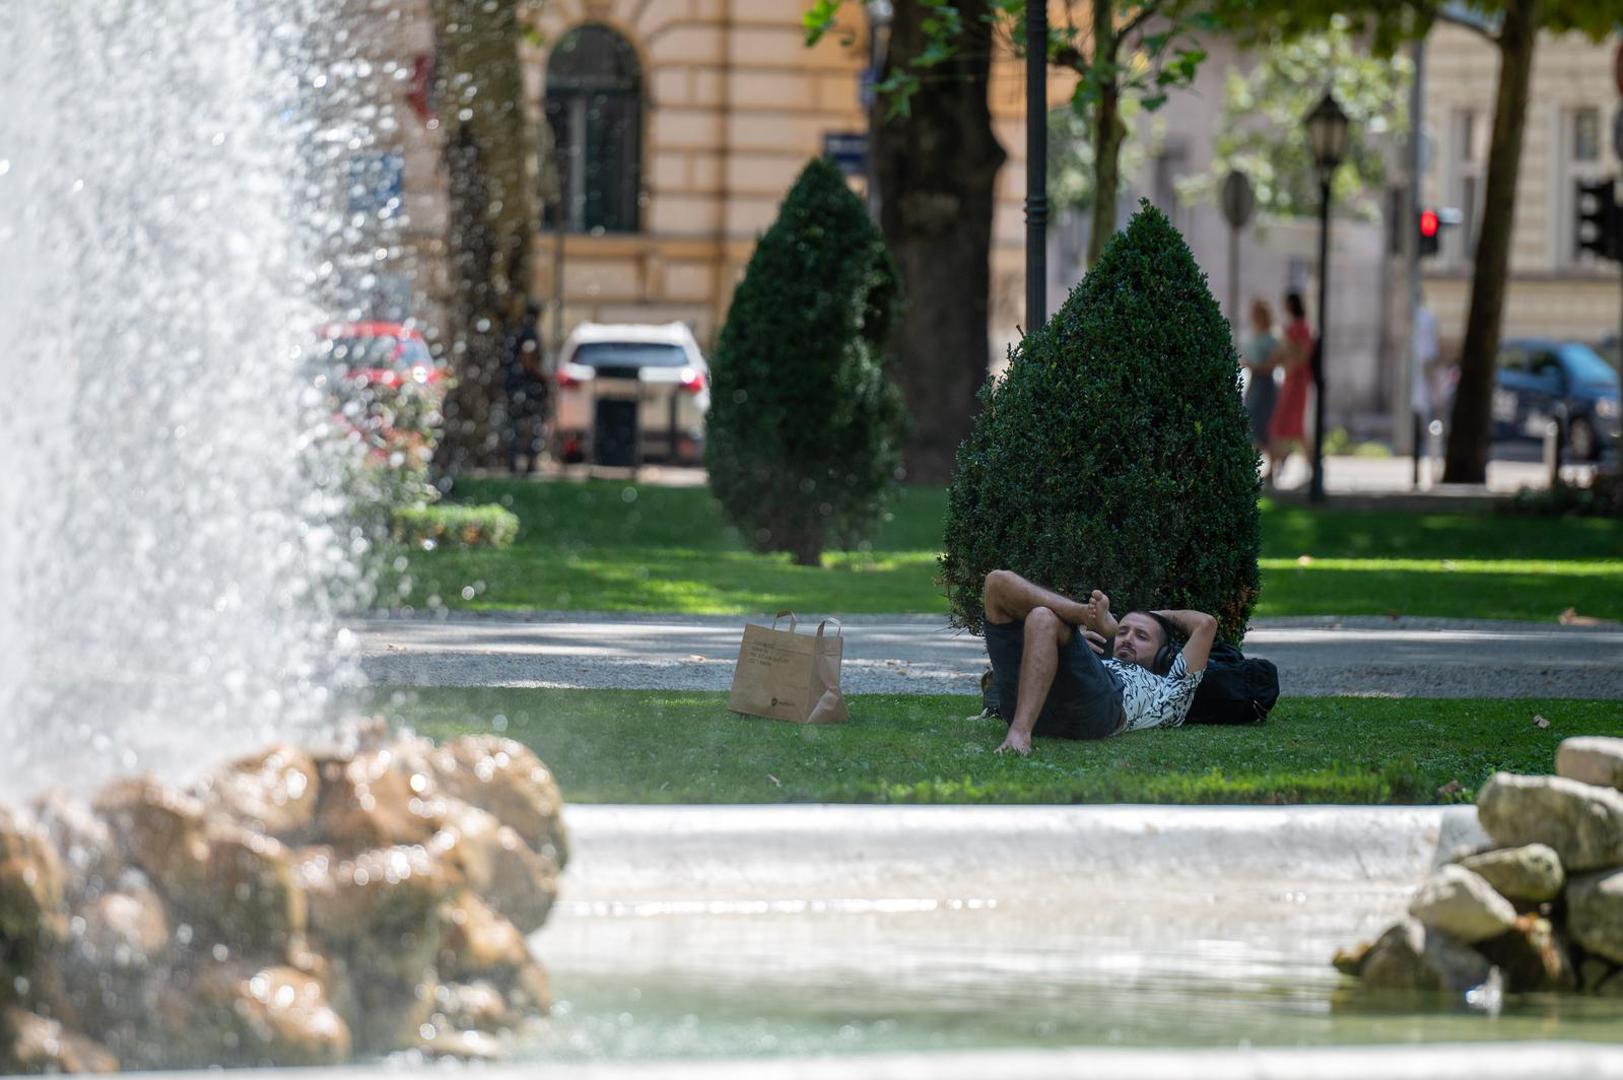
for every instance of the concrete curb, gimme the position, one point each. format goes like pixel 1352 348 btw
pixel 623 853
pixel 1480 1061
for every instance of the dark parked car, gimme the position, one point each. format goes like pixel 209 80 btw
pixel 1565 381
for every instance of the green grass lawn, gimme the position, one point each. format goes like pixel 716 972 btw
pixel 615 546
pixel 661 747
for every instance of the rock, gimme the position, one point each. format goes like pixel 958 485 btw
pixel 1350 961
pixel 219 877
pixel 254 898
pixel 497 864
pixel 530 989
pixel 507 779
pixel 480 942
pixel 1595 913
pixel 478 1005
pixel 1591 759
pixel 374 896
pixel 1530 874
pixel 273 791
pixel 373 801
pixel 288 1019
pixel 1460 904
pixel 1583 823
pixel 30 1043
pixel 1594 971
pixel 159 829
pixel 1411 957
pixel 31 880
pixel 390 1014
pixel 460 1046
pixel 1532 957
pixel 89 850
pixel 126 927
pixel 241 1014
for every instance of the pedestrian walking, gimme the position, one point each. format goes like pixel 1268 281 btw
pixel 524 386
pixel 1288 427
pixel 1259 358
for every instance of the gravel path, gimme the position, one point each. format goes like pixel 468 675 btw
pixel 917 654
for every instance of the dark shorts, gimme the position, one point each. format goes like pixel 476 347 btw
pixel 1083 703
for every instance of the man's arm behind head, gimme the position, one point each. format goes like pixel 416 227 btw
pixel 1200 629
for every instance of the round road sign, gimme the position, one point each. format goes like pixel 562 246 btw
pixel 1238 199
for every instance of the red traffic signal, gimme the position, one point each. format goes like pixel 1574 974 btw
pixel 1431 228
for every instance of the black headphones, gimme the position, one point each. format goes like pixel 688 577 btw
pixel 1167 654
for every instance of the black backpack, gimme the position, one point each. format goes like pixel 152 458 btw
pixel 1236 689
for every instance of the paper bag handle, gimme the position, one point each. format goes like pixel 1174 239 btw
pixel 839 631
pixel 791 617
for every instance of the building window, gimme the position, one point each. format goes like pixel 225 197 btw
pixel 1465 186
pixel 1579 160
pixel 594 104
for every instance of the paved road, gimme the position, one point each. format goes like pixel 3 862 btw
pixel 917 654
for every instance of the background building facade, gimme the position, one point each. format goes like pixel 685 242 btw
pixel 678 125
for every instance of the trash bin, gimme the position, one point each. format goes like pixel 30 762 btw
pixel 615 438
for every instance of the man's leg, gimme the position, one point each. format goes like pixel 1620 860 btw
pixel 1008 596
pixel 1039 662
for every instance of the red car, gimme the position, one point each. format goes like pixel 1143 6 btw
pixel 379 354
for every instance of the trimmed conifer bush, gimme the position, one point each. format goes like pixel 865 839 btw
pixel 803 440
pixel 1114 452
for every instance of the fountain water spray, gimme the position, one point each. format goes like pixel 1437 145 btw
pixel 174 553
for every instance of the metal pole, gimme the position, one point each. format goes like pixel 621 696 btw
pixel 1411 254
pixel 1234 281
pixel 1036 165
pixel 1316 491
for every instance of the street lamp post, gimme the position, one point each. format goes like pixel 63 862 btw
pixel 1327 136
pixel 1036 165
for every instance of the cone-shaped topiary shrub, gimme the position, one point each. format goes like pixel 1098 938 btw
pixel 803 440
pixel 1114 452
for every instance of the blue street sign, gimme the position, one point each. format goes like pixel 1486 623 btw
pixel 848 150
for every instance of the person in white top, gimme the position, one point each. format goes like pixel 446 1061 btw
pixel 1052 675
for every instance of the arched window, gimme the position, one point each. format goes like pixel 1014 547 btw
pixel 594 104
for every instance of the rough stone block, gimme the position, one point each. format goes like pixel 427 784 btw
pixel 1595 913
pixel 1583 823
pixel 1591 759
pixel 1411 957
pixel 1531 873
pixel 1460 904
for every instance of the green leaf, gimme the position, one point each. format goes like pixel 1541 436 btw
pixel 819 19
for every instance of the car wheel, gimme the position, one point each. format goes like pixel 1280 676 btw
pixel 1581 440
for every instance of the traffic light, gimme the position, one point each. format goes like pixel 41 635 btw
pixel 1599 225
pixel 1431 232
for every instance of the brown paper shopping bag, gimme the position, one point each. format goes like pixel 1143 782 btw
pixel 790 676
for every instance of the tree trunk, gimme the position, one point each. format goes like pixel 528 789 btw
pixel 936 171
pixel 1472 428
pixel 1108 134
pixel 490 153
pixel 806 548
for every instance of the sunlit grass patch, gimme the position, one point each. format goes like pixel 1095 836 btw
pixel 616 546
pixel 672 747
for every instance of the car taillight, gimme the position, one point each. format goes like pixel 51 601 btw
pixel 692 380
pixel 566 380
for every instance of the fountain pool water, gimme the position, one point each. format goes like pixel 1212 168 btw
pixel 172 546
pixel 778 935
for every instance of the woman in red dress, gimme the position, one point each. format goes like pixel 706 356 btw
pixel 1288 428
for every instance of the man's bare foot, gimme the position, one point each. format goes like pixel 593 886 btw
pixel 1099 617
pixel 1015 742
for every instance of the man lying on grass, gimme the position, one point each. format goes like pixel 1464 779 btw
pixel 1049 683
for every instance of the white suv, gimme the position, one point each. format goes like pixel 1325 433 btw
pixel 629 394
